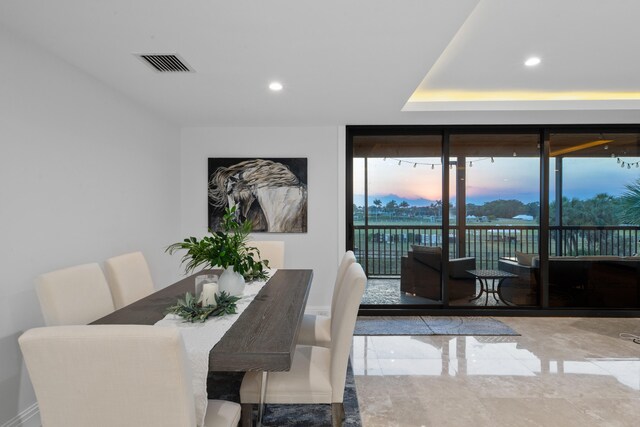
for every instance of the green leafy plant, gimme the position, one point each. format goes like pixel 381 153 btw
pixel 631 203
pixel 224 248
pixel 193 311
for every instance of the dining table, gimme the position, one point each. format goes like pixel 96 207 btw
pixel 264 336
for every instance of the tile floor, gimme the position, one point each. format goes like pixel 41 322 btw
pixel 560 372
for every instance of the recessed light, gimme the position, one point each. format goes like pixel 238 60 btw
pixel 275 86
pixel 532 62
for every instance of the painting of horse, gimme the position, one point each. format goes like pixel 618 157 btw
pixel 271 193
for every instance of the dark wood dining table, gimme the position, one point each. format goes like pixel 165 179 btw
pixel 262 339
pixel 264 336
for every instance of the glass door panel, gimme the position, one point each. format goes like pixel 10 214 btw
pixel 397 198
pixel 496 206
pixel 594 220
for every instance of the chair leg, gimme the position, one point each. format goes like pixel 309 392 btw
pixel 246 415
pixel 337 414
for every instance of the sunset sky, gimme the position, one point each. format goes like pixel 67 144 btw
pixel 506 178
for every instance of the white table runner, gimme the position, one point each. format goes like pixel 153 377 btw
pixel 199 339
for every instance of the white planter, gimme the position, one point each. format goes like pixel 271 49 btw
pixel 231 282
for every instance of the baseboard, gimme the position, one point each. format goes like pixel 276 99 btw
pixel 30 417
pixel 317 309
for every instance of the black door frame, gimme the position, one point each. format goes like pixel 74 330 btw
pixel 444 308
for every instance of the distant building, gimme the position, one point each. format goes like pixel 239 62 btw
pixel 524 217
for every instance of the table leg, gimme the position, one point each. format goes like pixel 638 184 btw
pixel 481 290
pixel 263 395
pixel 500 293
pixel 494 289
pixel 486 291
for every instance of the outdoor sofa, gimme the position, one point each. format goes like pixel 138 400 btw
pixel 421 274
pixel 591 281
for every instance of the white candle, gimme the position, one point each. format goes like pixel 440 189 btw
pixel 209 291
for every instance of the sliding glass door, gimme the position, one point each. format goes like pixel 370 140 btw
pixel 515 218
pixel 593 224
pixel 495 213
pixel 397 206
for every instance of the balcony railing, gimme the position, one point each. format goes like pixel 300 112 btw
pixel 379 248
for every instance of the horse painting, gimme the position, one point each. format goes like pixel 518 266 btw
pixel 266 192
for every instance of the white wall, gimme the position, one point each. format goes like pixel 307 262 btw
pixel 84 175
pixel 319 248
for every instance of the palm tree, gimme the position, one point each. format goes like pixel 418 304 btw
pixel 377 203
pixel 630 201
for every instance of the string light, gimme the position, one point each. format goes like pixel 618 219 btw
pixel 622 163
pixel 433 165
pixel 515 154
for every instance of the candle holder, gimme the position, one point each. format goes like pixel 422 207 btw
pixel 200 281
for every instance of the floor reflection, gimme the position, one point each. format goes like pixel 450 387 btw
pixel 482 355
pixel 560 371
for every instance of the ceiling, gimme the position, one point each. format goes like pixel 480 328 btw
pixel 351 61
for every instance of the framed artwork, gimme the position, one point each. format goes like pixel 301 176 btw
pixel 271 193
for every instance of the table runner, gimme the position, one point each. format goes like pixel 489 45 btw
pixel 200 338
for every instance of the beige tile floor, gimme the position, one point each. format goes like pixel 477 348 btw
pixel 559 372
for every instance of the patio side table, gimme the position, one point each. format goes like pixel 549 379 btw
pixel 496 277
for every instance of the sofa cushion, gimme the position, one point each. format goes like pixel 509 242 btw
pixel 526 259
pixel 437 250
pixel 458 268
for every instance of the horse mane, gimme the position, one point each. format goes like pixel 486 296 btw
pixel 258 172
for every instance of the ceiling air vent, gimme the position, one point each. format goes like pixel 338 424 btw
pixel 165 63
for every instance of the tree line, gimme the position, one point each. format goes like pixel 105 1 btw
pixel 602 209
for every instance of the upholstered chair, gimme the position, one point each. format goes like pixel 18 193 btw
pixel 74 296
pixel 271 250
pixel 115 375
pixel 317 374
pixel 129 278
pixel 315 328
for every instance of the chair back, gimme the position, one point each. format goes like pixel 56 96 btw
pixel 347 259
pixel 270 250
pixel 74 296
pixel 129 278
pixel 109 375
pixel 342 326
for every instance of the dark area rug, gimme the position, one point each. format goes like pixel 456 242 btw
pixel 431 325
pixel 226 386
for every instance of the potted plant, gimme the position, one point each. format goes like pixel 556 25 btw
pixel 226 249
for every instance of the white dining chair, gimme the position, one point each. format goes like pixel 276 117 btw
pixel 129 278
pixel 317 374
pixel 271 250
pixel 115 375
pixel 316 328
pixel 74 296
